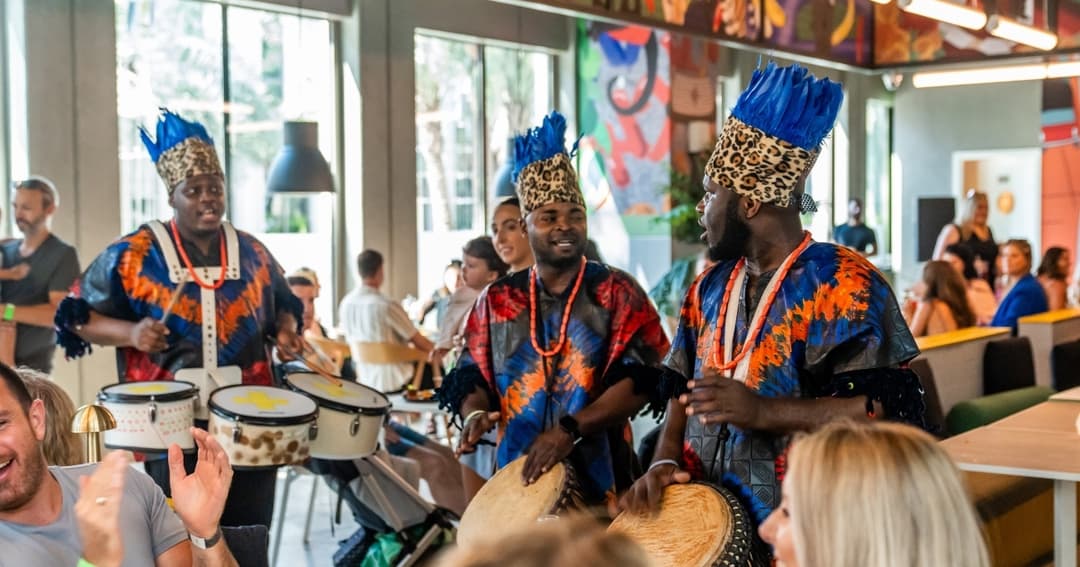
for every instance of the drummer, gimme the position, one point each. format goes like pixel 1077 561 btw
pixel 125 293
pixel 559 356
pixel 809 331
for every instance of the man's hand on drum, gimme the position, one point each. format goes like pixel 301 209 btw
pixel 550 447
pixel 148 335
pixel 644 496
pixel 715 399
pixel 199 498
pixel 290 343
pixel 97 511
pixel 474 429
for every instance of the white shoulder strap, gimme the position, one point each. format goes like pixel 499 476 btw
pixel 168 249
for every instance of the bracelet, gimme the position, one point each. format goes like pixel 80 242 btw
pixel 84 563
pixel 664 462
pixel 472 415
pixel 9 311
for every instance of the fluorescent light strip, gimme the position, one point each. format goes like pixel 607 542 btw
pixel 1012 30
pixel 948 12
pixel 1006 74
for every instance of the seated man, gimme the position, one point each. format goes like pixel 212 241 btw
pixel 369 316
pixel 105 514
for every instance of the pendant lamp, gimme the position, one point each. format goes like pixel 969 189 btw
pixel 300 167
pixel 504 184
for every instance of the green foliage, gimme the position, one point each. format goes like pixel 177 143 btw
pixel 683 217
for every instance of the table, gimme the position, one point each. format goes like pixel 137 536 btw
pixel 398 403
pixel 1039 442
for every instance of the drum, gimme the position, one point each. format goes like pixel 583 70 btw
pixel 351 415
pixel 698 525
pixel 503 504
pixel 262 427
pixel 150 416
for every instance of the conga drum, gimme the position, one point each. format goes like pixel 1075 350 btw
pixel 698 525
pixel 503 504
pixel 262 427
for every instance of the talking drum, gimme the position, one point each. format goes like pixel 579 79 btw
pixel 351 415
pixel 698 525
pixel 262 427
pixel 150 416
pixel 503 504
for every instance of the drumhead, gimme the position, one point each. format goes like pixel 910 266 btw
pixel 503 504
pixel 698 525
pixel 341 395
pixel 262 405
pixel 156 390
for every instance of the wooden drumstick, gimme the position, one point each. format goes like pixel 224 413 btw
pixel 175 297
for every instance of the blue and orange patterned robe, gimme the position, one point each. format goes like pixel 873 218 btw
pixel 614 333
pixel 834 329
pixel 130 281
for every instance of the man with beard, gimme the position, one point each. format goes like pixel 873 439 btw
pixel 783 334
pixel 559 356
pixel 233 302
pixel 47 265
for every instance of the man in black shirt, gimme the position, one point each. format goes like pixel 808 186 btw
pixel 53 265
pixel 855 234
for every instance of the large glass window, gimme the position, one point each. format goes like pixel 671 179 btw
pixel 242 73
pixel 471 98
pixel 876 209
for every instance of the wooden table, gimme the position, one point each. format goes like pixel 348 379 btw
pixel 1039 442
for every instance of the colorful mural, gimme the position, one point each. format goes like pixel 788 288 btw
pixel 901 38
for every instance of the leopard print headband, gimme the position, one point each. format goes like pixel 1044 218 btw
pixel 187 159
pixel 547 181
pixel 759 166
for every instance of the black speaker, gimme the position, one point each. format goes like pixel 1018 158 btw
pixel 934 214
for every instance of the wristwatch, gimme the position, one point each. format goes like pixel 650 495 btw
pixel 205 543
pixel 570 425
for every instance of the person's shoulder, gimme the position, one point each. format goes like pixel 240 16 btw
pixel 828 261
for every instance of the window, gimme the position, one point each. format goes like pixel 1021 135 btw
pixel 471 99
pixel 876 209
pixel 242 73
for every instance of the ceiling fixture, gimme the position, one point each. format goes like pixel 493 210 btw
pixel 1012 30
pixel 1000 74
pixel 300 167
pixel 948 12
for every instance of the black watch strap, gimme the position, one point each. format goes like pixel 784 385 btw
pixel 206 543
pixel 570 425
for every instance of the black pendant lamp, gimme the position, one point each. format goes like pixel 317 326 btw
pixel 504 184
pixel 300 167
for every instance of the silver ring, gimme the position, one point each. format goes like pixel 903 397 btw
pixel 100 500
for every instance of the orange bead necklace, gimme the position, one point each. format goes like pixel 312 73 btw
pixel 187 261
pixel 566 312
pixel 763 311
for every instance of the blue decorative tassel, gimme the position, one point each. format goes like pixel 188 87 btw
pixel 171 131
pixel 790 104
pixel 72 311
pixel 541 143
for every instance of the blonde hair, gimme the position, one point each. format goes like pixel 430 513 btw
pixel 972 200
pixel 552 543
pixel 61 446
pixel 883 495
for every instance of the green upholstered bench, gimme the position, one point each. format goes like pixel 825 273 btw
pixel 1017 512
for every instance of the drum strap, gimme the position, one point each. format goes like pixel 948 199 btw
pixel 207 297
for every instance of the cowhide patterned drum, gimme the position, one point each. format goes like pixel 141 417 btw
pixel 262 427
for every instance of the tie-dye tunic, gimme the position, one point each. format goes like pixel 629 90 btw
pixel 834 329
pixel 613 333
pixel 130 281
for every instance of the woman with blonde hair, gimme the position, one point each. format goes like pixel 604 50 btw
pixel 62 447
pixel 972 230
pixel 896 500
pixel 944 305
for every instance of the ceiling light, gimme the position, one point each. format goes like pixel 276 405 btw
pixel 1012 30
pixel 948 12
pixel 982 75
pixel 1063 69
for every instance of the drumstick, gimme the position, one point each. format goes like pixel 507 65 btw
pixel 175 297
pixel 334 380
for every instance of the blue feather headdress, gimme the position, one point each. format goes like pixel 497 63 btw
pixel 542 169
pixel 181 149
pixel 773 136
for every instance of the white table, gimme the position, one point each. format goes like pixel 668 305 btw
pixel 1039 442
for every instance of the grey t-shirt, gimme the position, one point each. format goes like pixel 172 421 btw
pixel 53 267
pixel 147 524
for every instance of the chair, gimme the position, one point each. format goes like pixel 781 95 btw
pixel 1065 366
pixel 1008 365
pixel 390 353
pixel 336 351
pixel 935 414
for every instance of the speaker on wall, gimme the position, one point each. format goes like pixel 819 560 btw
pixel 934 214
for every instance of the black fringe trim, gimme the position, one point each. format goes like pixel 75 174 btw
pixel 669 385
pixel 898 390
pixel 646 381
pixel 71 312
pixel 456 386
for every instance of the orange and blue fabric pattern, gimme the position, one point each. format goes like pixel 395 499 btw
pixel 613 333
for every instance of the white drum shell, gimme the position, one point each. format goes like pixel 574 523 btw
pixel 261 446
pixel 336 439
pixel 135 431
